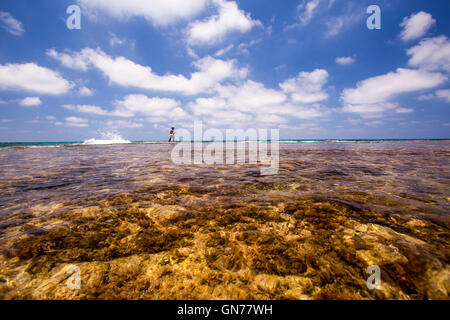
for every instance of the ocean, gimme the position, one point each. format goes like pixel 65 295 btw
pixel 120 140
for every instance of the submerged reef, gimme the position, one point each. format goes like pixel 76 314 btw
pixel 145 229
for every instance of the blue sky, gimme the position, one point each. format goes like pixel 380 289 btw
pixel 311 68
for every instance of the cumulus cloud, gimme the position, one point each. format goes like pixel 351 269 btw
pixel 307 87
pixel 214 29
pixel 157 12
pixel 416 25
pixel 30 102
pixel 127 73
pixel 11 24
pixel 374 96
pixel 237 105
pixel 250 97
pixel 343 61
pixel 431 54
pixel 31 77
pixel 158 109
pixel 74 60
pixel 155 109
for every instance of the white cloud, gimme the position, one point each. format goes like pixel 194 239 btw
pixel 251 97
pixel 117 124
pixel 155 11
pixel 374 123
pixel 229 118
pixel 243 47
pixel 84 91
pixel 270 119
pixel 307 10
pixel 307 87
pixel 381 88
pixel 431 54
pixel 404 110
pixel 158 109
pixel 50 118
pixel 31 77
pixel 229 19
pixel 416 25
pixel 223 51
pixel 444 94
pixel 74 60
pixel 237 105
pixel 373 96
pixel 373 110
pixel 30 102
pixel 76 122
pixel 11 24
pixel 345 60
pixel 124 72
pixel 115 41
pixel 426 97
pixel 191 53
pixel 439 94
pixel 95 110
pixel 334 26
pixel 355 13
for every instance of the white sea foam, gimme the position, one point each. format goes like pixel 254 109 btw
pixel 107 138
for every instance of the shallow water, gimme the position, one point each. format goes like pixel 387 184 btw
pixel 139 227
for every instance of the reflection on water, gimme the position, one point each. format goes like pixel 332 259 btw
pixel 140 227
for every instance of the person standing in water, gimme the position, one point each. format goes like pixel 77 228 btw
pixel 172 135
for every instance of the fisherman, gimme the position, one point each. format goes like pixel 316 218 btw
pixel 172 135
